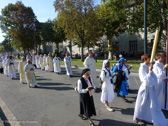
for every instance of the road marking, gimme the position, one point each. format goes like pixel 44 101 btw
pixel 9 115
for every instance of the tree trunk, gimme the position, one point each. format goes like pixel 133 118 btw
pixel 110 49
pixel 88 48
pixel 82 58
pixel 70 48
pixel 57 46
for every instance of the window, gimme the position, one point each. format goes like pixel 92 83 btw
pixel 133 45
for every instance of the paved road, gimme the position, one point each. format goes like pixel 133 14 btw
pixel 55 103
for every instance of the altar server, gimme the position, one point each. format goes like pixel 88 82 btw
pixel 147 107
pixel 159 70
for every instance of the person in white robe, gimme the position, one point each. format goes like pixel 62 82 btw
pixel 30 75
pixel 33 60
pixel 37 61
pixel 49 63
pixel 21 65
pixel 28 57
pixel 41 62
pixel 147 107
pixel 45 62
pixel 159 70
pixel 67 61
pixel 90 63
pixel 107 95
pixel 56 61
pixel 5 66
pixel 11 68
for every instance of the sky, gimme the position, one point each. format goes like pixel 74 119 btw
pixel 43 9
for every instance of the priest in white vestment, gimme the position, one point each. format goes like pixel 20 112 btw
pixel 41 62
pixel 37 61
pixel 49 63
pixel 30 75
pixel 21 65
pixel 5 66
pixel 33 60
pixel 147 107
pixel 67 61
pixel 45 62
pixel 56 61
pixel 90 63
pixel 11 68
pixel 159 70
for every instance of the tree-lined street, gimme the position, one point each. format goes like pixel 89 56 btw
pixel 55 102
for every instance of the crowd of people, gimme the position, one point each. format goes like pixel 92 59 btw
pixel 151 95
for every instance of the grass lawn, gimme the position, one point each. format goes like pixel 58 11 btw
pixel 78 62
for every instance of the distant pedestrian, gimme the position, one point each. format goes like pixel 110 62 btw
pixel 87 107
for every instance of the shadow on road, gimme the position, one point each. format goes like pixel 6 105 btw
pixel 108 122
pixel 53 84
pixel 41 79
pixel 56 88
pixel 3 118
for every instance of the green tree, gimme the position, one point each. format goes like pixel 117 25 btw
pixel 18 22
pixel 157 12
pixel 52 33
pixel 113 15
pixel 77 17
pixel 8 47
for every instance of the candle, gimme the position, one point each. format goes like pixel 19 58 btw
pixel 154 45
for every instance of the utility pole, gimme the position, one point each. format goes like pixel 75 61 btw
pixel 145 26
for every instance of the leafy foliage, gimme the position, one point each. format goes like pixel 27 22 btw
pixel 18 22
pixel 78 20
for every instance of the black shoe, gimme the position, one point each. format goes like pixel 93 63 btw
pixel 35 86
pixel 129 91
pixel 82 117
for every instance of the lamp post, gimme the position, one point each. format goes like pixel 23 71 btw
pixel 145 26
pixel 35 34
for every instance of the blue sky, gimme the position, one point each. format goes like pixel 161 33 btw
pixel 43 9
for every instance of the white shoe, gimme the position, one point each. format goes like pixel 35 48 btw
pixel 109 109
